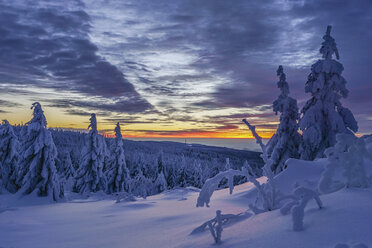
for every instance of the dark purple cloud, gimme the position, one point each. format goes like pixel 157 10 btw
pixel 235 48
pixel 47 45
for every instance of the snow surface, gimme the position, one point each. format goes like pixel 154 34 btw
pixel 167 219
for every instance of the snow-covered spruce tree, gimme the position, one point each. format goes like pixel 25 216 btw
pixel 160 182
pixel 139 184
pixel 9 157
pixel 171 176
pixel 160 163
pixel 117 175
pixel 65 169
pixel 182 179
pixel 323 115
pixel 196 176
pixel 226 166
pixel 286 141
pixel 89 177
pixel 37 171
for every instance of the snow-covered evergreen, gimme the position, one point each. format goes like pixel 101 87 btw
pixel 65 169
pixel 196 176
pixel 285 142
pixel 9 157
pixel 117 175
pixel 37 171
pixel 160 183
pixel 139 185
pixel 90 177
pixel 323 115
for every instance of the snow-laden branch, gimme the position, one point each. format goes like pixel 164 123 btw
pixel 258 140
pixel 212 184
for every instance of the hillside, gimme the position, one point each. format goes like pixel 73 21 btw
pixel 167 219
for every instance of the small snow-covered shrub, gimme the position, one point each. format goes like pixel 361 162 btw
pixel 268 197
pixel 216 227
pixel 268 192
pixel 346 167
pixel 301 197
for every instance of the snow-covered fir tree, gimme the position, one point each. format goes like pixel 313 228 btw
pixel 182 179
pixel 171 175
pixel 65 169
pixel 139 184
pixel 68 170
pixel 323 115
pixel 226 166
pixel 196 176
pixel 9 157
pixel 286 141
pixel 117 175
pixel 161 164
pixel 160 182
pixel 37 170
pixel 90 177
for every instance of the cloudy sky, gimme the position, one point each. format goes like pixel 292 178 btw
pixel 185 68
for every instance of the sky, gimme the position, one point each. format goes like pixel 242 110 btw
pixel 175 68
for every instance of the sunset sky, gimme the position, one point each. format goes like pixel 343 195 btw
pixel 175 68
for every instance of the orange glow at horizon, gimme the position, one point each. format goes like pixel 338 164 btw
pixel 185 134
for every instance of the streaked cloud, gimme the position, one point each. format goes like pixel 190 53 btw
pixel 199 66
